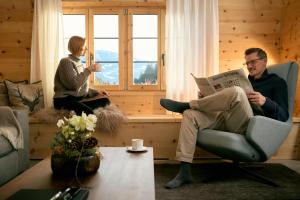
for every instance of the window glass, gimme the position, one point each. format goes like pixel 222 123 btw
pixel 106 48
pixel 145 39
pixel 73 25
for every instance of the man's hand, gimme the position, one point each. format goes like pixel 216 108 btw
pixel 256 98
pixel 200 95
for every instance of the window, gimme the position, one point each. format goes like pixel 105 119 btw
pixel 126 41
pixel 106 49
pixel 144 48
pixel 70 29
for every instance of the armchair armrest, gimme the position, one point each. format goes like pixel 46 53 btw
pixel 22 117
pixel 267 134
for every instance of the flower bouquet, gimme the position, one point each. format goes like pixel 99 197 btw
pixel 74 149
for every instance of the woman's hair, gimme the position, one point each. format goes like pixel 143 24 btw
pixel 75 44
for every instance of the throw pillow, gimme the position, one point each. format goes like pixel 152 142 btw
pixel 28 96
pixel 3 95
pixel 4 101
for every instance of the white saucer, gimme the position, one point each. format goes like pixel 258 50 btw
pixel 144 149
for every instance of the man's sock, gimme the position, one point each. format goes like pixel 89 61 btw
pixel 183 177
pixel 174 106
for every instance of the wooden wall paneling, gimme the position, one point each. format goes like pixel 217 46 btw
pixel 15 52
pixel 114 3
pixel 19 40
pixel 268 4
pixel 16 4
pixel 290 42
pixel 160 132
pixel 290 147
pixel 248 15
pixel 16 27
pixel 250 27
pixel 14 69
pixel 252 4
pixel 246 24
pixel 236 4
pixel 24 14
pixel 137 103
pixel 16 19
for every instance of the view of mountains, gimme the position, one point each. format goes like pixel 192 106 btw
pixel 110 72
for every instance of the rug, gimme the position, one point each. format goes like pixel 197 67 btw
pixel 229 184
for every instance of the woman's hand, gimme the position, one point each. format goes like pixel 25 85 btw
pixel 103 93
pixel 95 67
pixel 256 98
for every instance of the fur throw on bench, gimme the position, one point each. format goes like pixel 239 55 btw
pixel 109 118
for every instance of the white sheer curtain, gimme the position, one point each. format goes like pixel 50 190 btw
pixel 46 45
pixel 192 45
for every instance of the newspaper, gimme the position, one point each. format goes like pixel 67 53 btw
pixel 212 84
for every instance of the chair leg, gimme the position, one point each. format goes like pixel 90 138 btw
pixel 251 173
pixel 259 177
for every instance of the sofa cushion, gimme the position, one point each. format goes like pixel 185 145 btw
pixel 26 96
pixel 5 146
pixel 3 95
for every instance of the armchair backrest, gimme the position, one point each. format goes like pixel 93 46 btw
pixel 289 72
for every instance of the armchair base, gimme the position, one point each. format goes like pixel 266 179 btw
pixel 250 170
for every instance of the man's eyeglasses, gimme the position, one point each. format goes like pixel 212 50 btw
pixel 252 62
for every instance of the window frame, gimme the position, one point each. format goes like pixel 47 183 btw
pixel 122 48
pixel 125 42
pixel 131 86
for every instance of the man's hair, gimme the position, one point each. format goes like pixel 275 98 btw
pixel 260 53
pixel 75 44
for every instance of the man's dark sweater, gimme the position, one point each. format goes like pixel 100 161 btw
pixel 274 89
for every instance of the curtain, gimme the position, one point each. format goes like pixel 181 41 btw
pixel 192 45
pixel 46 45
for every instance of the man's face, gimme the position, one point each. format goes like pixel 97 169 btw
pixel 255 65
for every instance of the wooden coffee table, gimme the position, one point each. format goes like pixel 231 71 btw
pixel 122 175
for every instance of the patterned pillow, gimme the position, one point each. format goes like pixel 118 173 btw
pixel 28 96
pixel 3 95
pixel 4 101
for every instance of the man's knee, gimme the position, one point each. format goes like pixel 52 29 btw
pixel 236 92
pixel 188 114
pixel 191 115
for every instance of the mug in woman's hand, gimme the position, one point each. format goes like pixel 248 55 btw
pixel 97 67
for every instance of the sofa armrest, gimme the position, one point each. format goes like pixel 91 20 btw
pixel 267 134
pixel 22 117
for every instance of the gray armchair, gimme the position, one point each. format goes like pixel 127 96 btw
pixel 263 136
pixel 14 161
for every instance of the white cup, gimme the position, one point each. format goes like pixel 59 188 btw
pixel 137 144
pixel 98 67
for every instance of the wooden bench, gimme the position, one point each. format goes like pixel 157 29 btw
pixel 159 131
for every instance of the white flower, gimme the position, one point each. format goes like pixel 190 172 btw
pixel 92 118
pixel 60 123
pixel 78 123
pixel 90 121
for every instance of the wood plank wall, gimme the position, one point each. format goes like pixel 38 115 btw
pixel 16 18
pixel 243 24
pixel 290 41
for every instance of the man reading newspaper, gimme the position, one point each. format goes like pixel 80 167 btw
pixel 227 109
